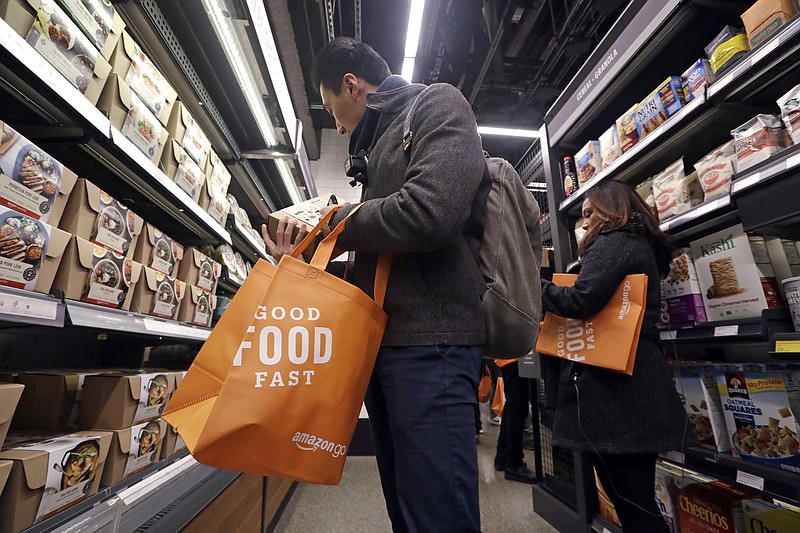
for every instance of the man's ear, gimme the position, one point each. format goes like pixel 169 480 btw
pixel 350 84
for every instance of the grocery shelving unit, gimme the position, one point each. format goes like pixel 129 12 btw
pixel 40 331
pixel 650 41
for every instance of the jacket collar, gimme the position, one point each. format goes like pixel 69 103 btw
pixel 394 93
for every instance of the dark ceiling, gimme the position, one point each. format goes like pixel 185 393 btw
pixel 510 58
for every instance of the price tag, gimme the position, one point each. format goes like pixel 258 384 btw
pixel 763 50
pixel 749 181
pixel 670 335
pixel 793 161
pixel 726 331
pixel 676 457
pixel 746 478
pixel 787 346
pixel 168 328
pixel 27 307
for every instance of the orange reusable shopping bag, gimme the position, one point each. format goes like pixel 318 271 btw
pixel 499 400
pixel 277 388
pixel 609 338
pixel 485 386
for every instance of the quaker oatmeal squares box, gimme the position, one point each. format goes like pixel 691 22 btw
pixel 158 295
pixel 62 43
pixel 158 251
pixel 49 475
pixel 729 280
pixel 137 72
pixel 133 449
pixel 200 270
pixel 760 414
pixel 119 401
pixel 94 274
pixel 31 181
pixel 96 217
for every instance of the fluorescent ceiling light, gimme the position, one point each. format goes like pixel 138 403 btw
pixel 412 37
pixel 233 51
pixel 508 132
pixel 288 180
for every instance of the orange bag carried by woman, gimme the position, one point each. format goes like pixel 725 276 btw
pixel 277 388
pixel 485 386
pixel 609 338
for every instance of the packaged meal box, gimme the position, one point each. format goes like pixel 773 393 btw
pixel 307 212
pixel 218 176
pixel 171 443
pixel 765 517
pixel 728 47
pixel 132 118
pixel 760 416
pixel 227 258
pixel 158 251
pixel 215 205
pixel 696 79
pixel 144 79
pixel 184 129
pixel 98 20
pixel 97 217
pixel 132 450
pixel 682 296
pixel 158 294
pixel 62 43
pixel 759 139
pixel 766 17
pixel 715 171
pixel 23 247
pixel 10 393
pixel 588 162
pixel 790 113
pixel 659 106
pixel 697 387
pixel 626 129
pixel 729 279
pixel 47 401
pixel 31 181
pixel 200 270
pixel 712 507
pixel 198 307
pixel 671 191
pixel 610 147
pixel 119 401
pixel 96 275
pixel 50 475
pixel 182 169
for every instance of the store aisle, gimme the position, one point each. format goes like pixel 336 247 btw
pixel 356 505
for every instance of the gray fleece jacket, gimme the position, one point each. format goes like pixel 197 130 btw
pixel 425 206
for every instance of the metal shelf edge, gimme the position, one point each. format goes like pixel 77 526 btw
pixel 31 308
pixel 696 212
pixel 94 316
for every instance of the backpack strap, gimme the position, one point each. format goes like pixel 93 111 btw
pixel 408 133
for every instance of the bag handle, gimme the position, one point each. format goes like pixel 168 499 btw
pixel 324 252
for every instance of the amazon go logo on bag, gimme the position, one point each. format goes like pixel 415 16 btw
pixel 298 343
pixel 626 302
pixel 573 337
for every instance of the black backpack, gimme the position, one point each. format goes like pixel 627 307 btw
pixel 510 258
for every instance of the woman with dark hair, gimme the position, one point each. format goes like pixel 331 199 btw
pixel 621 421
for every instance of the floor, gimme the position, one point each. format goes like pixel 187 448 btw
pixel 356 504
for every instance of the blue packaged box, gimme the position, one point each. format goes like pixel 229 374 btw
pixel 659 106
pixel 698 76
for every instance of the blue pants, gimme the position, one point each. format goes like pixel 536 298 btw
pixel 421 403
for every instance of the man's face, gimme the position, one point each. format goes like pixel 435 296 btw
pixel 347 107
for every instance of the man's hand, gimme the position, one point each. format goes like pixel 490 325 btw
pixel 283 236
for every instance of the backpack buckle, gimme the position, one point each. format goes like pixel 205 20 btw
pixel 407 138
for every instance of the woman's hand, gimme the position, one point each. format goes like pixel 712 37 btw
pixel 284 244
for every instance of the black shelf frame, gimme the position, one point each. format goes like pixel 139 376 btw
pixel 758 329
pixel 249 247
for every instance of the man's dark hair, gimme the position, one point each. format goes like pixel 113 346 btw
pixel 343 55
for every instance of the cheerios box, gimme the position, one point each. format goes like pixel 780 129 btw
pixel 49 475
pixel 119 401
pixel 159 251
pixel 97 217
pixel 94 274
pixel 135 121
pixel 760 414
pixel 132 450
pixel 712 507
pixel 31 181
pixel 158 295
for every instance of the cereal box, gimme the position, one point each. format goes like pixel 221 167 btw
pixel 764 517
pixel 588 162
pixel 712 507
pixel 697 387
pixel 610 147
pixel 759 414
pixel 696 79
pixel 626 129
pixel 729 280
pixel 659 106
pixel 682 294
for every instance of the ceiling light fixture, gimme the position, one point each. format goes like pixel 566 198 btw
pixel 412 37
pixel 288 180
pixel 508 132
pixel 226 34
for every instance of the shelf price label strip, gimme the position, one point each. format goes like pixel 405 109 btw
pixel 168 328
pixel 787 346
pixel 20 308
